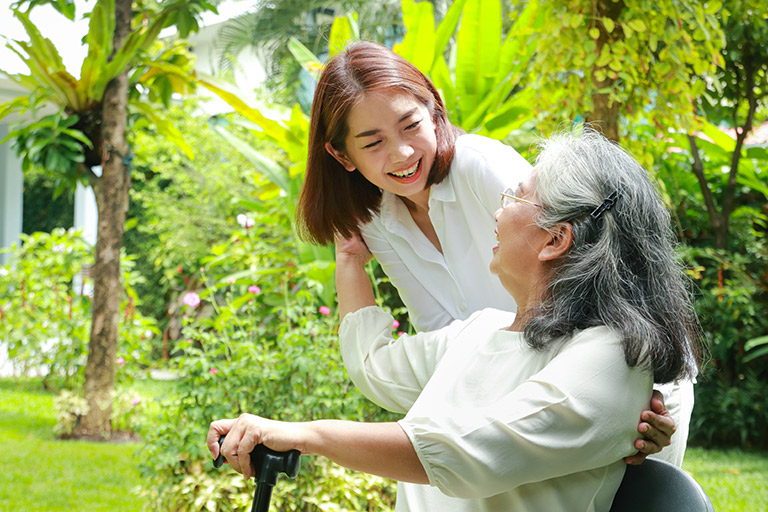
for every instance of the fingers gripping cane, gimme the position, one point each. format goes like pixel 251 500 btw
pixel 267 464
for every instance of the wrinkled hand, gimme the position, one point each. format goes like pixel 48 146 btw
pixel 247 431
pixel 352 249
pixel 656 426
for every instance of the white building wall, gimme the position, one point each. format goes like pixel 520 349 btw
pixel 11 194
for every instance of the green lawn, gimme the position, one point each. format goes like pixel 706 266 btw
pixel 734 480
pixel 40 473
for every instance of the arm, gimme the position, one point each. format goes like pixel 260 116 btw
pixel 377 448
pixel 352 284
pixel 389 372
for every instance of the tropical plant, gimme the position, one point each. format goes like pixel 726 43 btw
pixel 90 130
pixel 731 284
pixel 737 94
pixel 285 129
pixel 270 25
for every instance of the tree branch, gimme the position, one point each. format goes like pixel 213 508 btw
pixel 698 170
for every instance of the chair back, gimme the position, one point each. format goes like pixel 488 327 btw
pixel 658 486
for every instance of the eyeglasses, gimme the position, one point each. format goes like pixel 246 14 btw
pixel 508 196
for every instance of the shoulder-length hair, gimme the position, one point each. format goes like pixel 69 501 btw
pixel 333 200
pixel 621 270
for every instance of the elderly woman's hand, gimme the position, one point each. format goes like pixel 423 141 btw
pixel 247 431
pixel 656 426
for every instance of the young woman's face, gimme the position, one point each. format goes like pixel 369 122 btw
pixel 515 258
pixel 391 141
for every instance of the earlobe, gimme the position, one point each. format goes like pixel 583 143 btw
pixel 559 244
pixel 340 157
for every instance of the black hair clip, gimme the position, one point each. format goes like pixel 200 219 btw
pixel 607 204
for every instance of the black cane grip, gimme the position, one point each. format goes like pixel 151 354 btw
pixel 268 463
pixel 219 461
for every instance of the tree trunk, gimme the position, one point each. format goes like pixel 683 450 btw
pixel 605 114
pixel 111 191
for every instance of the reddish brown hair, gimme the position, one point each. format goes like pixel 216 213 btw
pixel 332 199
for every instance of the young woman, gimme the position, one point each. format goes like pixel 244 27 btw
pixel 529 411
pixel 386 164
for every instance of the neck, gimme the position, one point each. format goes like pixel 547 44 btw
pixel 521 319
pixel 417 202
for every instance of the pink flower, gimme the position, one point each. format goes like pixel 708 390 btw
pixel 324 310
pixel 136 401
pixel 254 289
pixel 314 331
pixel 191 299
pixel 230 280
pixel 213 371
pixel 120 362
pixel 400 333
pixel 395 324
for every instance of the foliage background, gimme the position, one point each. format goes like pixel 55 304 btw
pixel 220 227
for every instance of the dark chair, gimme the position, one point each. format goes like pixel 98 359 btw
pixel 658 486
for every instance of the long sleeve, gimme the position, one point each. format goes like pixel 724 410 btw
pixel 392 372
pixel 490 434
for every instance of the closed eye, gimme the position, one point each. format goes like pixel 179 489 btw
pixel 413 125
pixel 372 144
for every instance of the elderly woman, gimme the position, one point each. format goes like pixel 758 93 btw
pixel 528 411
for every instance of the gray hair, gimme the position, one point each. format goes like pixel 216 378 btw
pixel 621 270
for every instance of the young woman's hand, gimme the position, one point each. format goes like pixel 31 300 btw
pixel 657 427
pixel 352 250
pixel 352 284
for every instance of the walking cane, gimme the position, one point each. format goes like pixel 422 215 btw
pixel 267 464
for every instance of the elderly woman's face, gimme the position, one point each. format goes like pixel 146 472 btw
pixel 515 258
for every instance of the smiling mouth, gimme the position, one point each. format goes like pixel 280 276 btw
pixel 408 172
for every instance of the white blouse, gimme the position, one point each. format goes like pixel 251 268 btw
pixel 497 425
pixel 439 288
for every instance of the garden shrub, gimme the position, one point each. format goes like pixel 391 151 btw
pixel 45 319
pixel 267 345
pixel 731 394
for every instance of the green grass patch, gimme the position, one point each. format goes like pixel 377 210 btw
pixel 734 480
pixel 41 473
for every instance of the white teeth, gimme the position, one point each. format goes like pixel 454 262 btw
pixel 406 173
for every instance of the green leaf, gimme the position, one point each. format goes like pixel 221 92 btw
pixel 478 45
pixel 637 25
pixel 343 31
pixel 419 38
pixel 447 27
pixel 305 58
pixel 723 140
pixel 268 168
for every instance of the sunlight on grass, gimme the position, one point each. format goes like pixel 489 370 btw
pixel 734 480
pixel 43 474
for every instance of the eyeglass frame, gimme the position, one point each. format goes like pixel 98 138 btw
pixel 508 194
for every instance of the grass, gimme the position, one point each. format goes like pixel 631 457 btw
pixel 734 480
pixel 40 473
